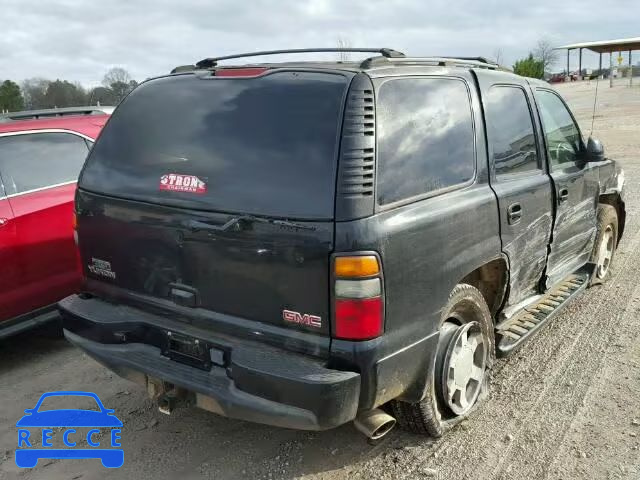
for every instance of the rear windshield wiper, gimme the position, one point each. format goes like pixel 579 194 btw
pixel 236 222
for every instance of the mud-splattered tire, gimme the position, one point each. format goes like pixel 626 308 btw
pixel 431 416
pixel 604 247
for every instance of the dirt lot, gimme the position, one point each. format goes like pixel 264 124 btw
pixel 566 406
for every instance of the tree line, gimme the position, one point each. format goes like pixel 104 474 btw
pixel 539 61
pixel 38 93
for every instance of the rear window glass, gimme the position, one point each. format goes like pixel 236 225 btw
pixel 40 160
pixel 425 137
pixel 264 145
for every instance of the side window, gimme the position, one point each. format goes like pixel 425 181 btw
pixel 564 143
pixel 38 160
pixel 510 130
pixel 425 137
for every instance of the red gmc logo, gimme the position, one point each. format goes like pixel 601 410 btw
pixel 301 318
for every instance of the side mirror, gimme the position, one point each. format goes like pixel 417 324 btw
pixel 595 150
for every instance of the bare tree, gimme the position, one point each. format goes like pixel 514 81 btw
pixel 545 53
pixel 498 56
pixel 119 82
pixel 114 75
pixel 34 91
pixel 343 43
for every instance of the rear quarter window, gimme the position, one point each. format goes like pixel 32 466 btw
pixel 425 137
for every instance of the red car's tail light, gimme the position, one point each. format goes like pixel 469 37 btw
pixel 74 224
pixel 359 305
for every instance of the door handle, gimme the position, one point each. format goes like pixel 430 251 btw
pixel 563 195
pixel 514 213
pixel 3 221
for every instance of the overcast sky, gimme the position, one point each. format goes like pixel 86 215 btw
pixel 79 40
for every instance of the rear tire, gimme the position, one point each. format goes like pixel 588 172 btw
pixel 604 247
pixel 433 415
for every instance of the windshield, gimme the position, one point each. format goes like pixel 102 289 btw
pixel 264 145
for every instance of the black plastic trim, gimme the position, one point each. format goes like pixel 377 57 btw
pixel 355 190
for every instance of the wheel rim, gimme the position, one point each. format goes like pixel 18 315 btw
pixel 605 252
pixel 464 366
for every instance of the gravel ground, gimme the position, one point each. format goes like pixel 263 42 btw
pixel 566 406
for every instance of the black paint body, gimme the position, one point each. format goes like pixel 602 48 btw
pixel 228 288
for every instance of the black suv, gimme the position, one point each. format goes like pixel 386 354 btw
pixel 301 243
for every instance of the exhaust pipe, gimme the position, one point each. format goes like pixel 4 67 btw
pixel 375 424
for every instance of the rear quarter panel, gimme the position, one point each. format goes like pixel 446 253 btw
pixel 44 254
pixel 426 248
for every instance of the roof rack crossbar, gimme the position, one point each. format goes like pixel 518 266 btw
pixel 385 52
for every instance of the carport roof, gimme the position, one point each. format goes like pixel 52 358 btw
pixel 606 46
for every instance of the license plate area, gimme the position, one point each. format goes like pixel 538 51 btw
pixel 188 350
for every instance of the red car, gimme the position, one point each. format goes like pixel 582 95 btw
pixel 40 160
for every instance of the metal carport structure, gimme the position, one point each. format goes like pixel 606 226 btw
pixel 606 46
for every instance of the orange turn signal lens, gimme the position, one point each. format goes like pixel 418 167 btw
pixel 356 266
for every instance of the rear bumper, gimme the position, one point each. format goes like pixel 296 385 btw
pixel 255 382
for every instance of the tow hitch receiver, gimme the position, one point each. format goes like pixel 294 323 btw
pixel 168 396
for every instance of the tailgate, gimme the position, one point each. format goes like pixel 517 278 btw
pixel 253 270
pixel 219 194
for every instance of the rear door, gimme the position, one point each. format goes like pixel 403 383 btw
pixel 40 171
pixel 576 187
pixel 521 183
pixel 218 194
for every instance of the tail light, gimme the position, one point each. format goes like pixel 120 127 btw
pixel 359 305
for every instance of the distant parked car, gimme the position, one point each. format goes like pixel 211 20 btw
pixel 557 78
pixel 39 164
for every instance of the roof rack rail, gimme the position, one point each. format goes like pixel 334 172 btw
pixel 476 59
pixel 54 112
pixel 213 61
pixel 480 62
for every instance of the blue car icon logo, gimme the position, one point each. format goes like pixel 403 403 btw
pixel 69 420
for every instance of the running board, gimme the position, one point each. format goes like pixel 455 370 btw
pixel 515 330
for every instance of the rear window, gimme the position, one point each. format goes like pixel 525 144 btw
pixel 264 145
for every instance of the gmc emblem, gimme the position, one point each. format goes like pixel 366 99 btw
pixel 301 318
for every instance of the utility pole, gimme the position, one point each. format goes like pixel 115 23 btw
pixel 610 69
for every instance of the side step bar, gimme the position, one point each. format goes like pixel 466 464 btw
pixel 522 325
